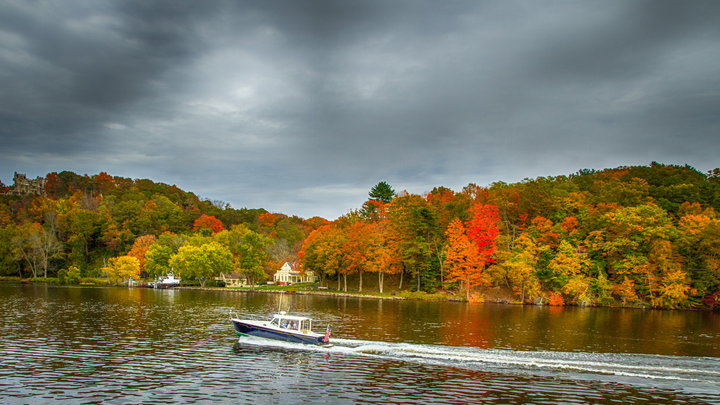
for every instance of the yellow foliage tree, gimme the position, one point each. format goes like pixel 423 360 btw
pixel 521 269
pixel 578 289
pixel 122 268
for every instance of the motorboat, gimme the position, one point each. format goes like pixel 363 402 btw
pixel 168 281
pixel 281 326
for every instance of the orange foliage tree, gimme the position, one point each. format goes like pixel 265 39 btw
pixel 140 248
pixel 464 261
pixel 356 251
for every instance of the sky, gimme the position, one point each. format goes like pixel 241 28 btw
pixel 300 107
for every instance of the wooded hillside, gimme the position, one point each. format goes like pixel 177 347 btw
pixel 641 235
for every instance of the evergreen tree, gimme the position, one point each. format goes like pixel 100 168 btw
pixel 382 192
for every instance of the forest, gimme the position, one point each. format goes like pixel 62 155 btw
pixel 645 236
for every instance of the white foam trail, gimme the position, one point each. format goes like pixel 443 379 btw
pixel 627 365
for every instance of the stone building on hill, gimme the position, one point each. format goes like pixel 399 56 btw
pixel 25 186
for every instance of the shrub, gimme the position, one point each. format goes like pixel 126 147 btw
pixel 69 276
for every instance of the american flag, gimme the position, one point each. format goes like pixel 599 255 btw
pixel 328 332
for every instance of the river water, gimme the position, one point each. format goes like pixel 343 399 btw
pixel 120 345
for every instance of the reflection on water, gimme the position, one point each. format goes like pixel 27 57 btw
pixel 119 345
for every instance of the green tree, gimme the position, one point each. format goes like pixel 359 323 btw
pixel 69 276
pixel 253 256
pixel 8 263
pixel 202 262
pixel 382 192
pixel 415 232
pixel 157 259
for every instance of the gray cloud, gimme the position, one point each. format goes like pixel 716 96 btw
pixel 301 106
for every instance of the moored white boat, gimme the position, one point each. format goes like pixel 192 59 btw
pixel 168 281
pixel 281 326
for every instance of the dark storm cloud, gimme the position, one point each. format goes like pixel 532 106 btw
pixel 71 66
pixel 302 106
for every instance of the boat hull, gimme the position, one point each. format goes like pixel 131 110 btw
pixel 269 332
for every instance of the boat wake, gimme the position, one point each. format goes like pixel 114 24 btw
pixel 701 373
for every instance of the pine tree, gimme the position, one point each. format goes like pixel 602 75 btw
pixel 382 192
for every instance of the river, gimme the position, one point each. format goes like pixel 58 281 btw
pixel 131 345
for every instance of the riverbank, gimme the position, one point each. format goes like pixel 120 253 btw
pixel 301 289
pixel 494 295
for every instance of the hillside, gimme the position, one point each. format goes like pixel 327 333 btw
pixel 640 235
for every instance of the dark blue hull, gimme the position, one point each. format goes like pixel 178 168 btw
pixel 287 336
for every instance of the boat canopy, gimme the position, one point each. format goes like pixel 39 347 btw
pixel 299 323
pixel 291 317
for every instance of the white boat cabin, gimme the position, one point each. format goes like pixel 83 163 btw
pixel 292 322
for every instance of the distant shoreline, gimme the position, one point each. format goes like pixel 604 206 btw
pixel 296 292
pixel 395 295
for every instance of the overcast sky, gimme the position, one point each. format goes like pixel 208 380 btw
pixel 300 107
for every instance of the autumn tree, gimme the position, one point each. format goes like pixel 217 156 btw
pixel 568 271
pixel 322 252
pixel 209 222
pixel 483 229
pixel 699 244
pixel 140 248
pixel 373 210
pixel 36 246
pixel 521 269
pixel 463 261
pixel 122 268
pixel 381 259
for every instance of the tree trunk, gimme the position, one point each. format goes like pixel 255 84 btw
pixel 440 260
pixel 360 288
pixel 338 274
pixel 402 272
pixel 345 282
pixel 30 263
pixel 380 280
pixel 418 279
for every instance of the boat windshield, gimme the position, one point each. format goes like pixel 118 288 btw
pixel 292 322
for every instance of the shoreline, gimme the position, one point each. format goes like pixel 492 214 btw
pixel 402 295
pixel 296 292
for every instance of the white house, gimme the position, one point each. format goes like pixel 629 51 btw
pixel 289 275
pixel 233 280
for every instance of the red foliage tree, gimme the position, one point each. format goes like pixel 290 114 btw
pixel 483 229
pixel 208 221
